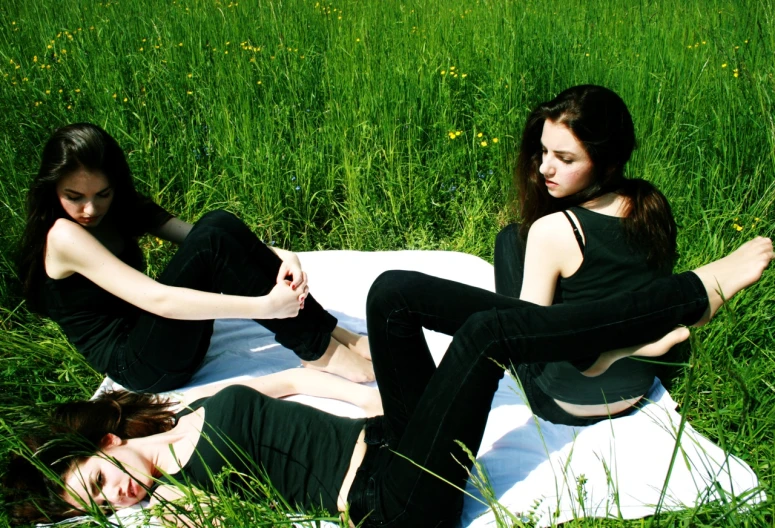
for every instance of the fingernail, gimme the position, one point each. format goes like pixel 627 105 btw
pixel 293 286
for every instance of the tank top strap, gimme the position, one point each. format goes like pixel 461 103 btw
pixel 576 232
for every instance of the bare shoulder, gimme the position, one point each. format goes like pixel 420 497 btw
pixel 166 493
pixel 553 236
pixel 552 229
pixel 63 235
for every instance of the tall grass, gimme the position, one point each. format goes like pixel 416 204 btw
pixel 387 125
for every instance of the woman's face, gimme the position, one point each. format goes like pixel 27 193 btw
pixel 85 196
pixel 101 479
pixel 565 164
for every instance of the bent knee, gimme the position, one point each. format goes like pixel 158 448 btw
pixel 218 223
pixel 389 287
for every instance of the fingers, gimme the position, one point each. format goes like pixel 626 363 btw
pixel 282 273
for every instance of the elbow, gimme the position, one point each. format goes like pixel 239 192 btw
pixel 162 304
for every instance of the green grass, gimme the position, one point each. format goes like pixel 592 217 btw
pixel 327 125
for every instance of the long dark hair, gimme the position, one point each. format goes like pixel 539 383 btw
pixel 70 148
pixel 600 120
pixel 32 484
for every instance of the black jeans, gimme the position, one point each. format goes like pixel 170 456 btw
pixel 429 409
pixel 221 255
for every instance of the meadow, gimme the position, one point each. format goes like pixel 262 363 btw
pixel 393 125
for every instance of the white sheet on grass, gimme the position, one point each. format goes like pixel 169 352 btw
pixel 541 471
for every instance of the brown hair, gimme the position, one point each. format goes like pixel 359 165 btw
pixel 33 482
pixel 600 120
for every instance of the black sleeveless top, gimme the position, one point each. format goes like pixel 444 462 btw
pixel 96 322
pixel 304 453
pixel 610 265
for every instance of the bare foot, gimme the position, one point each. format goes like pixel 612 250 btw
pixel 653 349
pixel 725 277
pixel 340 360
pixel 355 342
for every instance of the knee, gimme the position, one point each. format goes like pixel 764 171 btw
pixel 388 289
pixel 218 224
pixel 218 219
pixel 509 240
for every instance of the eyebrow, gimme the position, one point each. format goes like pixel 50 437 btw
pixel 565 152
pixel 93 489
pixel 73 191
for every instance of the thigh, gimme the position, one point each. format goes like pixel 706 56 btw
pixel 399 305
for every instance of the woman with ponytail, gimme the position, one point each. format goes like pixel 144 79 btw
pixel 587 232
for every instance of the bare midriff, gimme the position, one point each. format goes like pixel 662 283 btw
pixel 595 411
pixel 359 451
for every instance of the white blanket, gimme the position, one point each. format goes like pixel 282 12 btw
pixel 539 471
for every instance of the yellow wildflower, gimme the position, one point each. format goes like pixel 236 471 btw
pixel 452 135
pixel 724 65
pixel 190 75
pixel 190 92
pixel 737 227
pixel 35 58
pixel 494 140
pixel 125 99
pixel 458 132
pixel 479 134
pixel 443 72
pixel 483 143
pixel 115 95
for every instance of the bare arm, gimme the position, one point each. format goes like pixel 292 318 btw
pixel 300 381
pixel 174 506
pixel 174 230
pixel 72 249
pixel 551 251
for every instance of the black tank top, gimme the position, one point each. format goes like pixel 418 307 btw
pixel 96 322
pixel 610 265
pixel 303 452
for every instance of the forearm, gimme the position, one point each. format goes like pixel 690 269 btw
pixel 301 381
pixel 188 304
pixel 321 384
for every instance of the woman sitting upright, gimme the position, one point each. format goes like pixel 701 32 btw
pixel 591 232
pixel 82 267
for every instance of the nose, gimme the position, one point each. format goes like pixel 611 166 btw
pixel 115 495
pixel 546 167
pixel 89 208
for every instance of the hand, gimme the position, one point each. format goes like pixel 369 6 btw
pixel 291 267
pixel 287 301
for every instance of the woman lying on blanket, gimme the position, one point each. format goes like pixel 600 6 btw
pixel 591 232
pixel 391 471
pixel 81 266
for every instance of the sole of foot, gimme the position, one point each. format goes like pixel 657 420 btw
pixel 654 349
pixel 340 360
pixel 725 277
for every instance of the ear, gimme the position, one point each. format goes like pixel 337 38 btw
pixel 110 440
